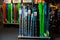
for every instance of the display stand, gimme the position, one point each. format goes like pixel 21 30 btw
pixel 32 38
pixel 36 38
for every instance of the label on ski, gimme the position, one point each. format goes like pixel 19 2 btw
pixel 29 11
pixel 20 11
pixel 35 13
pixel 16 1
pixel 27 1
pixel 7 1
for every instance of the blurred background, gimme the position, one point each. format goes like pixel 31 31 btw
pixel 11 31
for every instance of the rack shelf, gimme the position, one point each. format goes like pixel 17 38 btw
pixel 26 37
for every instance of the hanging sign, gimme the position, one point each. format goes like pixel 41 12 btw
pixel 7 1
pixel 27 1
pixel 16 1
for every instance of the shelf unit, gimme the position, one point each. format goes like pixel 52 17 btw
pixel 26 36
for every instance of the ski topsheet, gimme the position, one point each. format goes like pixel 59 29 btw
pixel 45 18
pixel 41 19
pixel 35 24
pixel 8 6
pixel 32 23
pixel 21 32
pixel 25 20
pixel 14 14
pixel 20 22
pixel 17 15
pixel 48 20
pixel 35 21
pixel 29 20
pixel 4 12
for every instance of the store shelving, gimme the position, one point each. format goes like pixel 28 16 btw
pixel 35 9
pixel 39 26
pixel 9 11
pixel 25 37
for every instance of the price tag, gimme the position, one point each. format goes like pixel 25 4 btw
pixel 29 11
pixel 20 11
pixel 31 15
pixel 7 1
pixel 16 1
pixel 25 14
pixel 27 1
pixel 35 13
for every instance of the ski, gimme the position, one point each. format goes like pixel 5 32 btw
pixel 4 12
pixel 15 14
pixel 35 21
pixel 41 19
pixel 17 9
pixel 20 22
pixel 25 20
pixel 8 6
pixel 29 20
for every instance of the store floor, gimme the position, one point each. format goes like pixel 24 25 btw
pixel 9 34
pixel 12 34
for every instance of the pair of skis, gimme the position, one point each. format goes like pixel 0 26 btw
pixel 6 12
pixel 33 22
pixel 16 13
pixel 28 22
pixel 43 19
pixel 10 16
pixel 23 21
pixel 46 19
